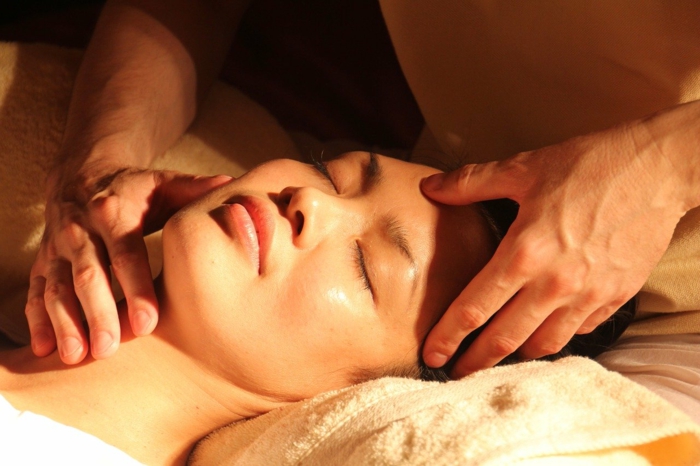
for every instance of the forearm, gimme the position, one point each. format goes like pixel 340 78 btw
pixel 147 65
pixel 675 134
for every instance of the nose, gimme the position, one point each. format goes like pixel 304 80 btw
pixel 312 213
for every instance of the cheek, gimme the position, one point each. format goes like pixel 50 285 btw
pixel 199 260
pixel 322 310
pixel 207 287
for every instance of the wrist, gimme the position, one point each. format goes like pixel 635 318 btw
pixel 675 134
pixel 80 168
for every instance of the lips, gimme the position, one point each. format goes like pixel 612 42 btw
pixel 254 226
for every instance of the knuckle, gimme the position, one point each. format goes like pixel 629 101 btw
pixel 53 292
pixel 581 314
pixel 47 253
pixel 444 344
pixel 464 175
pixel 85 276
pixel 74 234
pixel 64 329
pixel 564 285
pixel 502 346
pixel 592 298
pixel 34 304
pixel 618 302
pixel 104 208
pixel 551 346
pixel 524 258
pixel 123 260
pixel 470 317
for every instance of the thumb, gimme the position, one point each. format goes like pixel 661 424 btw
pixel 174 190
pixel 178 189
pixel 468 184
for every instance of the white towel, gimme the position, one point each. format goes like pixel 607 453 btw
pixel 569 412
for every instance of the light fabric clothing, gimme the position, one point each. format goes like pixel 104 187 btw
pixel 668 365
pixel 30 439
pixel 495 77
pixel 569 412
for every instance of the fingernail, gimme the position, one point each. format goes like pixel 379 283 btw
pixel 221 179
pixel 102 342
pixel 142 322
pixel 436 360
pixel 432 183
pixel 70 346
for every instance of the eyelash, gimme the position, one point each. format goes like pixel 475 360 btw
pixel 321 167
pixel 361 269
pixel 358 256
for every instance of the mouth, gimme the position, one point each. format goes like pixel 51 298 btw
pixel 254 226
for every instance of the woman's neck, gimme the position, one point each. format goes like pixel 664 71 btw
pixel 149 399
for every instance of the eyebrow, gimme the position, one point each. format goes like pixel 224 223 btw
pixel 372 176
pixel 397 236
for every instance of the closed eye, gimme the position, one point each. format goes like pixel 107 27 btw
pixel 321 168
pixel 362 269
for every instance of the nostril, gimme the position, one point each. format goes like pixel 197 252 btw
pixel 300 222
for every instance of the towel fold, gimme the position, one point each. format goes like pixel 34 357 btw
pixel 571 411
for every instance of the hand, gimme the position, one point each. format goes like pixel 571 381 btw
pixel 596 214
pixel 86 231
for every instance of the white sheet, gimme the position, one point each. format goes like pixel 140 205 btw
pixel 30 439
pixel 668 365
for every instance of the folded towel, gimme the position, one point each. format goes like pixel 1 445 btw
pixel 571 411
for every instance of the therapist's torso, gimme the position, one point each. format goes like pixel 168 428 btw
pixel 494 78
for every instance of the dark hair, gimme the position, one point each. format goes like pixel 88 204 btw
pixel 500 214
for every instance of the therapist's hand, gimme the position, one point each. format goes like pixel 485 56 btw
pixel 90 226
pixel 596 214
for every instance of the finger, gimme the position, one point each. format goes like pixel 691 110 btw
pixel 472 183
pixel 554 333
pixel 595 319
pixel 180 189
pixel 174 191
pixel 63 309
pixel 129 259
pixel 488 291
pixel 93 289
pixel 43 338
pixel 504 334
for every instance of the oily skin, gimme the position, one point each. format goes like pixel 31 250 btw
pixel 307 320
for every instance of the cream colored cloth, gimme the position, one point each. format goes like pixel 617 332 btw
pixel 495 77
pixel 230 135
pixel 570 412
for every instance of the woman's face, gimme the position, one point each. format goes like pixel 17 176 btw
pixel 288 281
